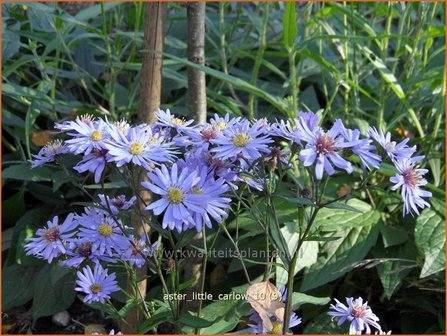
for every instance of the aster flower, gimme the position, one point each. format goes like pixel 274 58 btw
pixel 137 250
pixel 200 138
pixel 117 204
pixel 394 150
pixel 323 147
pixel 410 179
pixel 140 146
pixel 358 313
pixel 86 134
pixel 80 250
pixel 215 207
pixel 95 163
pixel 165 118
pixel 241 142
pixel 98 285
pixel 48 153
pixel 361 147
pixel 177 199
pixel 222 123
pixel 51 240
pixel 101 229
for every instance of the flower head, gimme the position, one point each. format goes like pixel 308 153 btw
pixel 358 313
pixel 48 153
pixel 410 179
pixel 87 134
pixel 177 197
pixel 51 240
pixel 323 148
pixel 98 285
pixel 241 142
pixel 361 147
pixel 139 146
pixel 101 229
pixel 137 249
pixel 165 118
pixel 394 150
pixel 95 163
pixel 116 204
pixel 80 250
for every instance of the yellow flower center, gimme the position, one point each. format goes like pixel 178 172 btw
pixel 220 125
pixel 96 136
pixel 277 328
pixel 95 288
pixel 105 229
pixel 241 140
pixel 152 140
pixel 175 195
pixel 177 121
pixel 136 148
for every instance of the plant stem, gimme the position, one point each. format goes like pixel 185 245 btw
pixel 202 286
pixel 294 89
pixel 238 252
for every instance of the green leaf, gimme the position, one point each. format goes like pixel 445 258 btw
pixel 307 255
pixel 338 257
pixel 25 173
pixel 227 311
pixel 154 321
pixel 298 299
pixel 53 290
pixel 17 287
pixel 393 235
pixel 392 271
pixel 344 216
pixel 289 25
pixel 193 321
pixel 342 206
pixel 429 236
pixel 30 119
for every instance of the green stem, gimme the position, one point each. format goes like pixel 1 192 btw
pixel 202 285
pixel 293 84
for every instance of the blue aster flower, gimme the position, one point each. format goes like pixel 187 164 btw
pixel 116 204
pixel 358 313
pixel 361 147
pixel 98 285
pixel 323 148
pixel 394 150
pixel 48 153
pixel 165 118
pixel 86 134
pixel 222 123
pixel 410 179
pixel 137 250
pixel 177 197
pixel 80 250
pixel 241 142
pixel 213 189
pixel 139 146
pixel 305 125
pixel 95 163
pixel 50 241
pixel 101 229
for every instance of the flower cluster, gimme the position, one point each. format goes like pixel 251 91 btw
pixel 88 239
pixel 191 171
